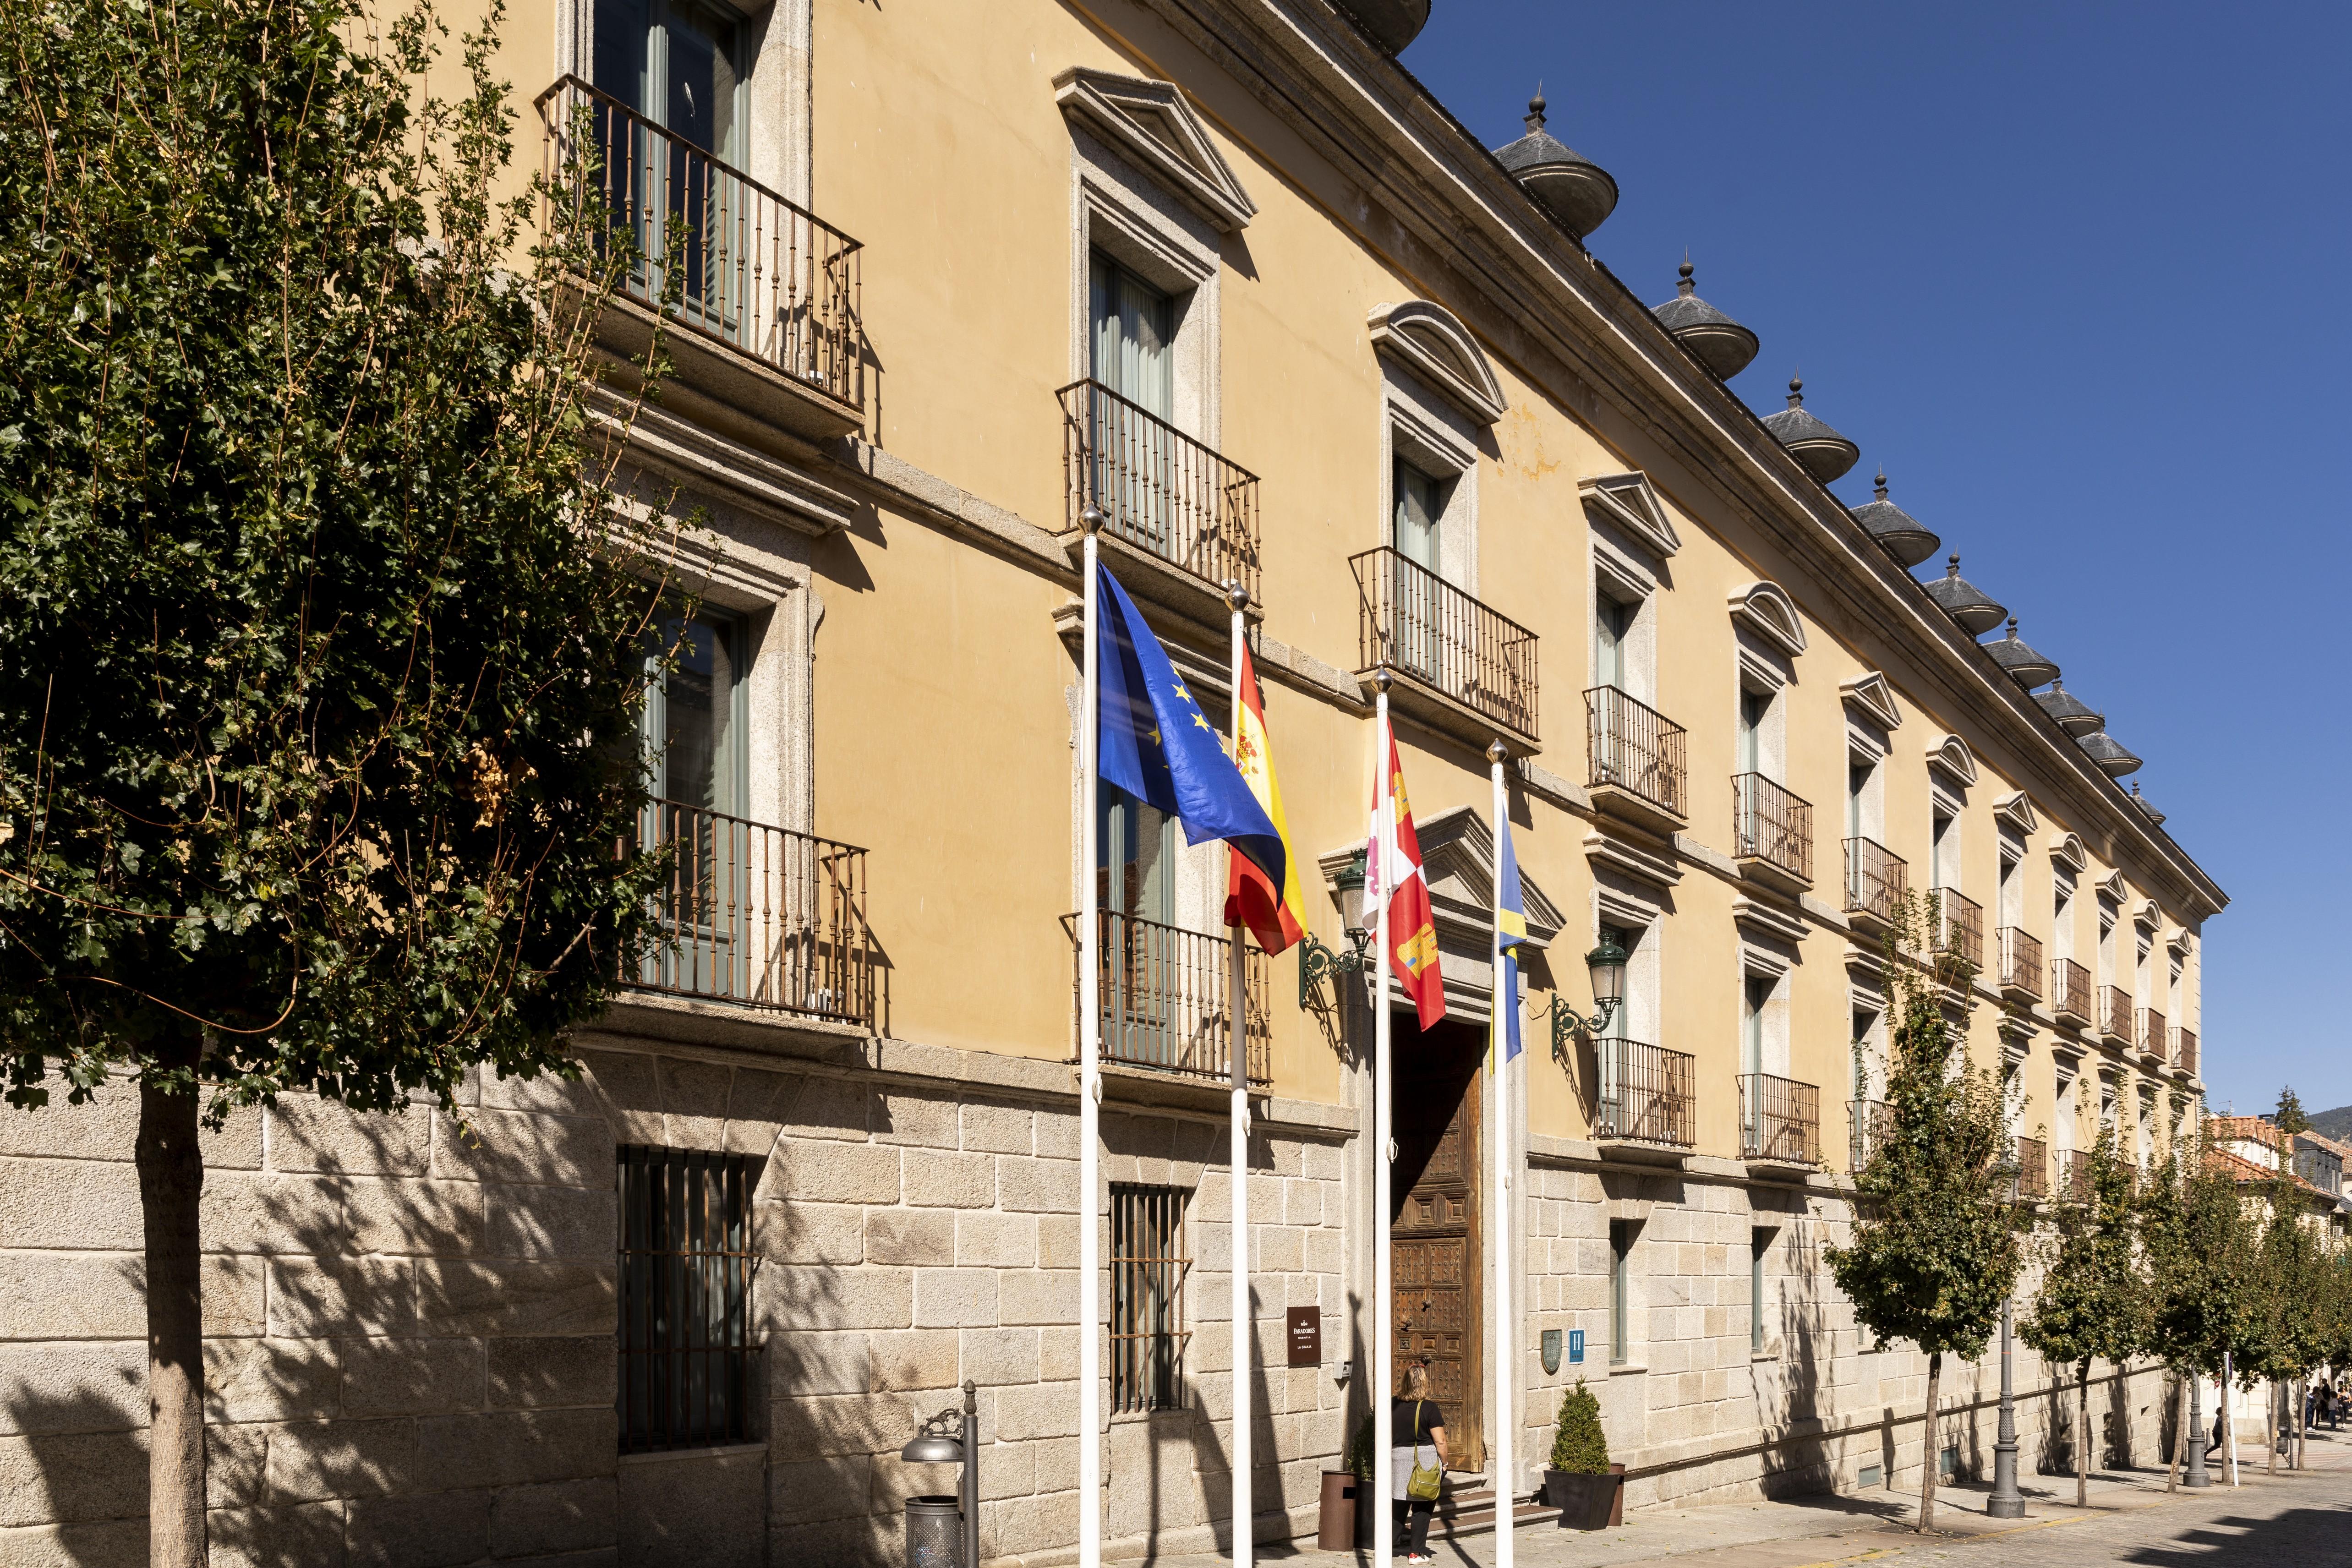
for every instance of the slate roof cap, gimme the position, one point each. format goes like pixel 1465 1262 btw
pixel 1825 453
pixel 1906 539
pixel 1976 611
pixel 1719 343
pixel 2074 715
pixel 2028 668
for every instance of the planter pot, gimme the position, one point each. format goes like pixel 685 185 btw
pixel 1585 1502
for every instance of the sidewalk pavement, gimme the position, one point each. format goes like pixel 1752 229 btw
pixel 1821 1530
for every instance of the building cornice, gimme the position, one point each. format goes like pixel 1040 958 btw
pixel 1525 281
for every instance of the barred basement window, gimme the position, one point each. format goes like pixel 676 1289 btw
pixel 689 1368
pixel 1147 1265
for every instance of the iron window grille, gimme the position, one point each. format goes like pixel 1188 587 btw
pixel 1149 1261
pixel 688 1365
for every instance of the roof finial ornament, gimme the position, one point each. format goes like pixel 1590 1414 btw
pixel 1535 120
pixel 1796 390
pixel 1881 482
pixel 1952 564
pixel 1685 286
pixel 2012 628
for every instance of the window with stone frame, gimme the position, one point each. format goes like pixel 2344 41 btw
pixel 689 1372
pixel 1150 1258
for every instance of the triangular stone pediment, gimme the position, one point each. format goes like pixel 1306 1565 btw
pixel 1457 858
pixel 1629 501
pixel 1870 694
pixel 1151 124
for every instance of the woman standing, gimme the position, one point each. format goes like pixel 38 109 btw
pixel 1418 1425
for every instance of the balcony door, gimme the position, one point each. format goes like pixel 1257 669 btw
pixel 1416 631
pixel 679 68
pixel 698 776
pixel 1144 957
pixel 1132 355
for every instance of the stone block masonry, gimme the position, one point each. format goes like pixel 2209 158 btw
pixel 411 1322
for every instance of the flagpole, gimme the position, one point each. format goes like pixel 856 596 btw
pixel 1244 1510
pixel 1089 1072
pixel 1383 1144
pixel 1506 1358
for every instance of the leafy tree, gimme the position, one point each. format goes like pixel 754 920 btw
pixel 2283 1338
pixel 321 672
pixel 1578 1447
pixel 2195 1240
pixel 1933 1253
pixel 2094 1303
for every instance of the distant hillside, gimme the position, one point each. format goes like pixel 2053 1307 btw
pixel 2335 1123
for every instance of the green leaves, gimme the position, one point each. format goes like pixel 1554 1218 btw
pixel 1933 1253
pixel 1578 1445
pixel 2094 1302
pixel 294 453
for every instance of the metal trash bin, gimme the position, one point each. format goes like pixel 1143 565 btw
pixel 934 1534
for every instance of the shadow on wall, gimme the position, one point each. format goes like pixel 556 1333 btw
pixel 410 1347
pixel 2057 1453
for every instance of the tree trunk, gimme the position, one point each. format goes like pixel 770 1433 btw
pixel 1935 1455
pixel 170 1178
pixel 2269 1425
pixel 2302 1385
pixel 2083 1434
pixel 2180 1434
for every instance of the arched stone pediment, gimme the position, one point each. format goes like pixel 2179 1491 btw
pixel 2066 849
pixel 1151 124
pixel 1766 607
pixel 1951 754
pixel 1431 343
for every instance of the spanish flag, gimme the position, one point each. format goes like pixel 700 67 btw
pixel 1413 929
pixel 1250 899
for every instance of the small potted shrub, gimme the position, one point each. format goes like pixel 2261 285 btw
pixel 1581 1482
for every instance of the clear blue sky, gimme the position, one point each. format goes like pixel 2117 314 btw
pixel 2075 275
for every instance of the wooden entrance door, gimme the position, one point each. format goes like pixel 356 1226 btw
pixel 1434 1237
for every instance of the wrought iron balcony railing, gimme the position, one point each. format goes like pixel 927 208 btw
pixel 758 916
pixel 1419 624
pixel 1644 1094
pixel 1867 1124
pixel 2021 961
pixel 1166 999
pixel 1634 748
pixel 2032 1169
pixel 1876 878
pixel 2071 991
pixel 2184 1049
pixel 2116 1013
pixel 1157 489
pixel 1960 927
pixel 1768 823
pixel 1779 1120
pixel 728 257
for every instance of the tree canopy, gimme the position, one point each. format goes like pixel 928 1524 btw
pixel 319 684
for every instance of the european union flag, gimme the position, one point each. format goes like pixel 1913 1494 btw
pixel 1155 743
pixel 1510 930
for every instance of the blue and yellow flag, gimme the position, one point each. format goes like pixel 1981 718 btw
pixel 1510 930
pixel 1155 743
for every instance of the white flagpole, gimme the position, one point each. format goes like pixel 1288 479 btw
pixel 1089 1076
pixel 1507 1366
pixel 1245 1510
pixel 1383 1144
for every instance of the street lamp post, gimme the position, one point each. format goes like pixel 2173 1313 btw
pixel 2197 1475
pixel 2006 1501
